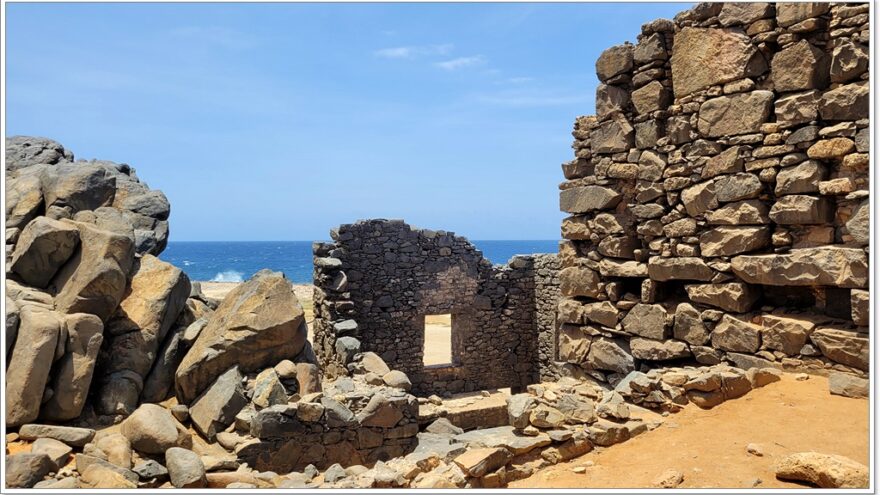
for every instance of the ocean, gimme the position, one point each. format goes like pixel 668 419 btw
pixel 237 261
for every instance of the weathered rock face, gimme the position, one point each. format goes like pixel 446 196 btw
pixel 706 57
pixel 832 266
pixel 95 278
pixel 73 375
pixel 43 246
pixel 154 299
pixel 823 470
pixel 257 325
pixel 28 370
pixel 737 114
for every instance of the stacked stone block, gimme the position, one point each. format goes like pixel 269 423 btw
pixel 719 196
pixel 379 278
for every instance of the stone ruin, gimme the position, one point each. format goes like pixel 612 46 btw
pixel 718 234
pixel 378 279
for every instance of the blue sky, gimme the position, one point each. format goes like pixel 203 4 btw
pixel 281 121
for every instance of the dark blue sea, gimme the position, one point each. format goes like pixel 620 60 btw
pixel 237 261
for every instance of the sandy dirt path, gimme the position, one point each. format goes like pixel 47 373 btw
pixel 709 446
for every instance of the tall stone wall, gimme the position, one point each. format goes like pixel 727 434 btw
pixel 379 278
pixel 719 196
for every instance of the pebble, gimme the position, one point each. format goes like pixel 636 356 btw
pixel 579 470
pixel 754 449
pixel 801 377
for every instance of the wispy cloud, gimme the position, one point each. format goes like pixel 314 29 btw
pixel 413 51
pixel 461 63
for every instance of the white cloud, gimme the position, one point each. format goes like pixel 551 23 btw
pixel 461 62
pixel 413 51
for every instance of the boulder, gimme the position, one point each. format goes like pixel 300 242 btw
pixel 790 13
pixel 731 240
pixel 185 468
pixel 828 265
pixel 519 407
pixel 733 334
pixel 743 13
pixel 24 151
pixel 29 364
pixel 152 429
pixel 748 212
pixel 586 199
pixel 785 334
pixel 543 416
pixel 258 324
pixel 97 476
pixel 442 426
pixel 397 379
pixel 689 326
pixel 799 66
pixel 57 452
pixel 268 390
pixel 573 345
pixel 610 355
pixel 860 302
pixel 823 470
pixel 77 186
pixel 24 470
pixel 658 350
pixel 381 412
pixel 603 313
pixel 741 113
pixel 576 409
pixel 707 57
pixel 42 248
pixel 153 301
pixel 73 373
pixel 504 437
pixel 75 437
pixel 94 280
pixel 117 448
pixel 848 385
pixel 308 378
pixel 478 462
pixel 843 346
pixel 646 320
pixel 159 382
pixel 24 200
pixel 216 408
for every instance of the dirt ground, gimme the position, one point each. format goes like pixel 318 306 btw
pixel 709 446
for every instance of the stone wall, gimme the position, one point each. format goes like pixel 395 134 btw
pixel 719 196
pixel 379 278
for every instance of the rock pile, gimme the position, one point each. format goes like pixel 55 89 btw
pixel 719 196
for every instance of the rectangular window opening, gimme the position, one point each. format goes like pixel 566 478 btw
pixel 438 341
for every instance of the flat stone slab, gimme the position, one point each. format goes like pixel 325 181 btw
pixel 504 436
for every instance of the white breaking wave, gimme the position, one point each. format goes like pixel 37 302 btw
pixel 228 276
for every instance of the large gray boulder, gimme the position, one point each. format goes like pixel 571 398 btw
pixel 25 470
pixel 43 246
pixel 29 365
pixel 152 429
pixel 216 408
pixel 185 468
pixel 154 299
pixel 73 373
pixel 24 151
pixel 257 325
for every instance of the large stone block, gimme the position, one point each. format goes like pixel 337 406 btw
pixel 614 61
pixel 216 408
pixel 860 302
pixel 24 200
pixel 828 265
pixel 848 61
pixel 699 198
pixel 797 108
pixel 733 296
pixel 586 199
pixel 678 268
pixel 77 186
pixel 843 346
pixel 611 99
pixel 748 212
pixel 42 248
pixel 707 57
pixel 731 240
pixel 610 355
pixel 258 324
pixel 737 187
pixel 573 345
pixel 847 102
pixel 612 136
pixel 798 67
pixel 658 350
pixel 735 335
pixel 651 97
pixel 789 13
pixel 578 281
pixel 647 320
pixel 689 326
pixel 802 178
pixel 799 209
pixel 785 333
pixel 859 224
pixel 741 113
